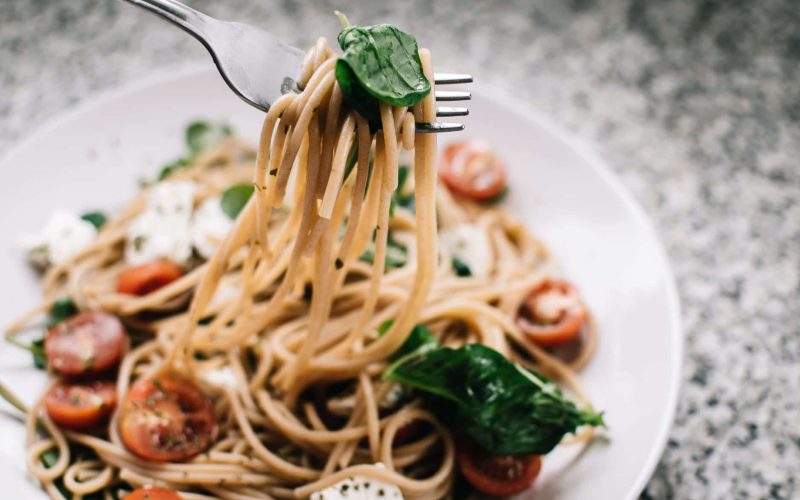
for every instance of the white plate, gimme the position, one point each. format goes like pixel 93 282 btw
pixel 92 157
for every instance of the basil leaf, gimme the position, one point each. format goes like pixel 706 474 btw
pixel 421 339
pixel 97 219
pixel 504 408
pixel 37 350
pixel 202 135
pixel 498 198
pixel 61 309
pixel 407 201
pixel 172 167
pixel 352 159
pixel 235 198
pixel 379 63
pixel 50 457
pixel 396 254
pixel 460 267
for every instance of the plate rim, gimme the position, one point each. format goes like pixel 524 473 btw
pixel 582 147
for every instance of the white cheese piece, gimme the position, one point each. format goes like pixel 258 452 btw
pixel 225 291
pixel 64 235
pixel 163 229
pixel 470 245
pixel 359 488
pixel 210 226
pixel 224 378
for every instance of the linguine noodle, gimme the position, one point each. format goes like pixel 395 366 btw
pixel 292 360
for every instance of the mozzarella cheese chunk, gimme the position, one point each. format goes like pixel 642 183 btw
pixel 359 488
pixel 224 378
pixel 210 226
pixel 163 229
pixel 469 244
pixel 64 235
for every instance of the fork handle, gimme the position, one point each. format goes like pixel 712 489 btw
pixel 185 17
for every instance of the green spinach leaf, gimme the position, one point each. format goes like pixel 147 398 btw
pixel 503 407
pixel 460 267
pixel 201 135
pixel 396 254
pixel 399 199
pixel 420 340
pixel 37 350
pixel 171 167
pixel 61 309
pixel 498 198
pixel 235 198
pixel 379 63
pixel 97 219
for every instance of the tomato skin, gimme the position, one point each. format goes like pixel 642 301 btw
pixel 167 420
pixel 87 344
pixel 152 493
pixel 470 169
pixel 553 331
pixel 497 476
pixel 146 278
pixel 81 406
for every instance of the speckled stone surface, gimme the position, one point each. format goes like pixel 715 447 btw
pixel 695 104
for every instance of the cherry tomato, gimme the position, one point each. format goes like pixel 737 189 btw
pixel 146 278
pixel 167 419
pixel 470 169
pixel 81 406
pixel 152 493
pixel 86 344
pixel 553 314
pixel 498 476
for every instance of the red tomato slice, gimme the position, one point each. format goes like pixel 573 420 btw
pixel 553 314
pixel 152 493
pixel 86 344
pixel 146 278
pixel 470 169
pixel 167 420
pixel 81 406
pixel 498 476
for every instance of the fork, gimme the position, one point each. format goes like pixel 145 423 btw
pixel 259 67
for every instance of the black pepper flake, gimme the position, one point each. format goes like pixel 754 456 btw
pixel 339 264
pixel 274 171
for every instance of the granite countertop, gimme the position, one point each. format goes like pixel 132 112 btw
pixel 695 104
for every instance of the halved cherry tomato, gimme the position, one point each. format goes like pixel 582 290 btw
pixel 81 406
pixel 146 278
pixel 469 168
pixel 152 493
pixel 86 344
pixel 553 314
pixel 498 476
pixel 167 419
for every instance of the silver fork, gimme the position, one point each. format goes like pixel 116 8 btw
pixel 259 68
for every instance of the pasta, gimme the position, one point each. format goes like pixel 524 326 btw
pixel 287 329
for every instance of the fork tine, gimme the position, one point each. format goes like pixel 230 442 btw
pixel 451 78
pixel 450 111
pixel 436 127
pixel 453 95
